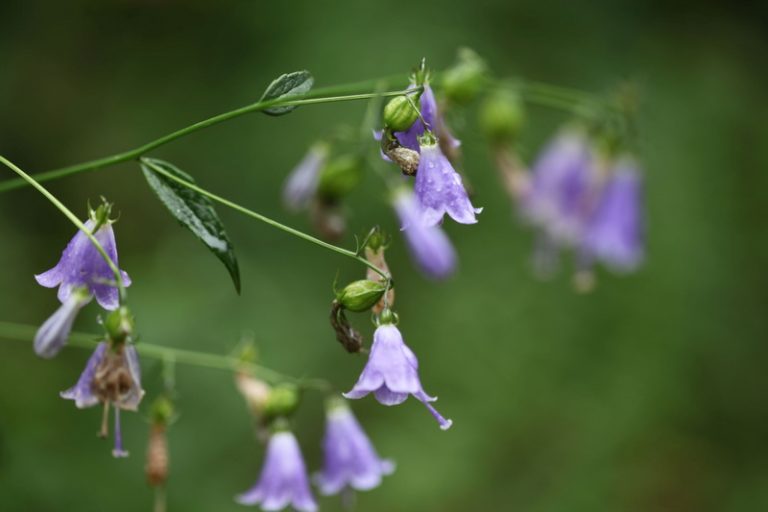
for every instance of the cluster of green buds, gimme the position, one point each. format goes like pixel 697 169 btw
pixel 466 78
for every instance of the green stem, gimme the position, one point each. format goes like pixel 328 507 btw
pixel 295 232
pixel 135 153
pixel 73 218
pixel 21 332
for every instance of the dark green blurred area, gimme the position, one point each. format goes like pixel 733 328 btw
pixel 648 394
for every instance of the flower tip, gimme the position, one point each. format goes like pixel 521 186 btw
pixel 446 424
pixel 120 454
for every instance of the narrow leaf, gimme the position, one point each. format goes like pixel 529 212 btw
pixel 285 86
pixel 193 211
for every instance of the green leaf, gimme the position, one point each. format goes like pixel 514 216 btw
pixel 193 211
pixel 285 86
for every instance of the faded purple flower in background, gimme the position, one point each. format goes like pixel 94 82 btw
pixel 391 373
pixel 440 190
pixel 350 460
pixel 53 334
pixel 81 265
pixel 557 200
pixel 429 245
pixel 614 234
pixel 112 377
pixel 283 480
pixel 301 184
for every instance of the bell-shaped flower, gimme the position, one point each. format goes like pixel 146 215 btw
pixel 431 115
pixel 440 190
pixel 557 200
pixel 429 245
pixel 53 334
pixel 81 265
pixel 350 460
pixel 302 183
pixel 392 373
pixel 283 480
pixel 111 377
pixel 615 233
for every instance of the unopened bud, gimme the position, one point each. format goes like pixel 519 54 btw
pixel 463 81
pixel 501 115
pixel 361 295
pixel 340 176
pixel 400 113
pixel 282 401
pixel 119 324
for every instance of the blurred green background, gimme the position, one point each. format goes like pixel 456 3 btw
pixel 648 394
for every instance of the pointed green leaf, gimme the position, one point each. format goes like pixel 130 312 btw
pixel 290 84
pixel 193 211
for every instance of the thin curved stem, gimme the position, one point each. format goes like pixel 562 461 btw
pixel 21 332
pixel 295 232
pixel 73 218
pixel 142 150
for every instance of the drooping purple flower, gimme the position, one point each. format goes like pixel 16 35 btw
pixel 429 245
pixel 53 334
pixel 614 234
pixel 350 459
pixel 558 198
pixel 440 190
pixel 302 183
pixel 434 120
pixel 391 373
pixel 283 480
pixel 81 265
pixel 111 377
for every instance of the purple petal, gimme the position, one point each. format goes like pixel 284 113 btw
pixel 82 392
pixel 439 189
pixel 302 183
pixel 53 334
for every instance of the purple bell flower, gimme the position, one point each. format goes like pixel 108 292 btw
pixel 112 377
pixel 558 198
pixel 283 479
pixel 301 184
pixel 81 265
pixel 614 234
pixel 391 373
pixel 440 190
pixel 429 245
pixel 53 334
pixel 350 459
pixel 434 120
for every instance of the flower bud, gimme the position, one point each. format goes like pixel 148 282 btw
pixel 282 401
pixel 463 81
pixel 119 325
pixel 501 116
pixel 361 295
pixel 256 392
pixel 340 176
pixel 400 113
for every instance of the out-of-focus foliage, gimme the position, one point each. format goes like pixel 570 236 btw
pixel 648 394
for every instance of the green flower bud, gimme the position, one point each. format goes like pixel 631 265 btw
pixel 361 295
pixel 161 411
pixel 340 176
pixel 119 324
pixel 501 115
pixel 400 114
pixel 463 81
pixel 282 401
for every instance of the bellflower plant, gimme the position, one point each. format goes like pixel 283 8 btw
pixel 301 184
pixel 439 188
pixel 81 265
pixel 429 245
pixel 53 334
pixel 283 479
pixel 614 234
pixel 557 198
pixel 350 459
pixel 392 372
pixel 112 377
